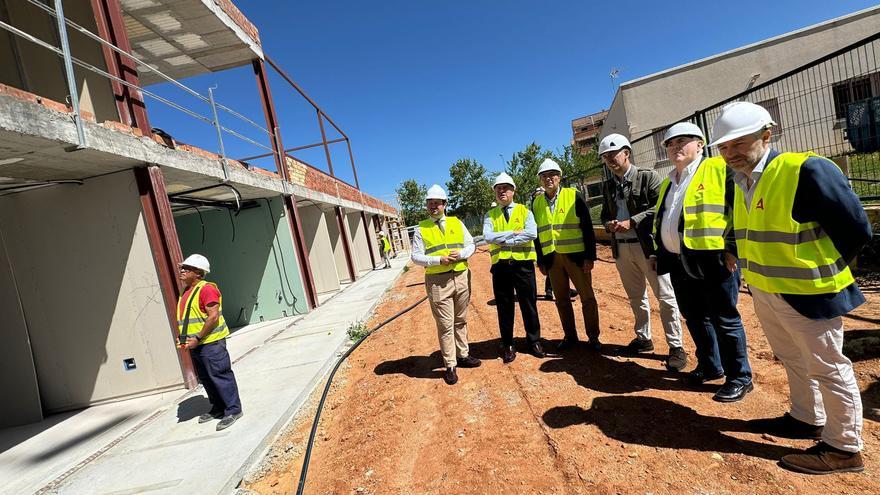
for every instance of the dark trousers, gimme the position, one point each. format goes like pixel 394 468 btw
pixel 518 277
pixel 214 369
pixel 709 310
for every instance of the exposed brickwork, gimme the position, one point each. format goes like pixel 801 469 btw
pixel 239 19
pixel 297 171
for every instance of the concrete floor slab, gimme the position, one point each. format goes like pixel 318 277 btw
pixel 155 444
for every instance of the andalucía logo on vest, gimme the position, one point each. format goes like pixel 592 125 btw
pixel 760 204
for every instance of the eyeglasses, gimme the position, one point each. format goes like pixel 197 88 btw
pixel 188 269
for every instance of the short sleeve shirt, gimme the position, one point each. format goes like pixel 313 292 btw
pixel 208 295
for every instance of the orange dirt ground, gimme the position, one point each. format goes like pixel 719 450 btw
pixel 587 423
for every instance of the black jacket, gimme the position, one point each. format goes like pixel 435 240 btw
pixel 641 197
pixel 699 264
pixel 586 224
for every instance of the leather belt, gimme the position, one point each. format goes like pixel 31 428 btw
pixel 628 241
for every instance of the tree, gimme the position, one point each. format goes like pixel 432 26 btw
pixel 411 196
pixel 523 167
pixel 579 167
pixel 469 189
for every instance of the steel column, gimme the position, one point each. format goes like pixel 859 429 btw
pixel 346 246
pixel 165 246
pixel 293 219
pixel 71 78
pixel 370 241
pixel 357 184
pixel 129 101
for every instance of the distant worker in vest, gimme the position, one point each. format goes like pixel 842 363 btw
pixel 510 231
pixel 203 331
pixel 629 197
pixel 566 250
pixel 798 226
pixel 443 245
pixel 386 248
pixel 693 237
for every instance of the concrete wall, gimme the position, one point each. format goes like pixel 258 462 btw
pixel 359 245
pixel 43 71
pixel 317 236
pixel 338 248
pixel 252 260
pixel 89 291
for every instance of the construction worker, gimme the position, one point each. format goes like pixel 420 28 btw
pixel 442 245
pixel 798 226
pixel 566 249
pixel 629 196
pixel 510 231
pixel 386 248
pixel 694 243
pixel 203 331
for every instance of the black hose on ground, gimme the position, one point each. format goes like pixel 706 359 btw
pixel 308 453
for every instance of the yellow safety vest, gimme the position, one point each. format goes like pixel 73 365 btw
pixel 196 321
pixel 705 220
pixel 520 252
pixel 559 230
pixel 778 254
pixel 386 246
pixel 438 243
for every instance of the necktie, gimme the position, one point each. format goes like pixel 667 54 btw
pixel 506 211
pixel 439 224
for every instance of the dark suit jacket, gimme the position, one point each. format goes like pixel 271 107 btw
pixel 641 197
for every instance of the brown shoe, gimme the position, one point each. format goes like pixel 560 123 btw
pixel 824 459
pixel 469 362
pixel 786 426
pixel 450 377
pixel 508 354
pixel 677 360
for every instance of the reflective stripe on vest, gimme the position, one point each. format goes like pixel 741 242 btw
pixel 196 321
pixel 705 221
pixel 520 252
pixel 559 230
pixel 778 254
pixel 439 243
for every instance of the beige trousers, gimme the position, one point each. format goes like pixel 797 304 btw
pixel 563 270
pixel 821 381
pixel 449 294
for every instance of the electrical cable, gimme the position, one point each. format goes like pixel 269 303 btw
pixel 308 452
pixel 281 255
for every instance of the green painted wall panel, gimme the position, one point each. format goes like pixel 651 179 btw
pixel 253 260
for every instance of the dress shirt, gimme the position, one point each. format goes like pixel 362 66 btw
pixel 418 245
pixel 622 184
pixel 742 180
pixel 509 238
pixel 678 184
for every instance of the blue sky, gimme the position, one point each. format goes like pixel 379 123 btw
pixel 417 85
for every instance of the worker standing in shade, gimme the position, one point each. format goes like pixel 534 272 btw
pixel 629 197
pixel 386 248
pixel 566 250
pixel 693 237
pixel 442 245
pixel 510 230
pixel 798 226
pixel 203 331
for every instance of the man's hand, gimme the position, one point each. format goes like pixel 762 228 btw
pixel 543 270
pixel 652 262
pixel 518 232
pixel 444 260
pixel 609 226
pixel 730 261
pixel 454 255
pixel 623 226
pixel 587 266
pixel 191 343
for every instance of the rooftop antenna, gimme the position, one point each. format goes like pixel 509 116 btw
pixel 615 73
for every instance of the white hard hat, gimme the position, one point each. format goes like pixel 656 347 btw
pixel 740 119
pixel 197 261
pixel 683 129
pixel 494 204
pixel 548 164
pixel 436 192
pixel 613 142
pixel 503 178
pixel 382 232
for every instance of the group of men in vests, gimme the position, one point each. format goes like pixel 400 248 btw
pixel 786 223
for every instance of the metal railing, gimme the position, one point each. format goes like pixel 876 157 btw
pixel 827 106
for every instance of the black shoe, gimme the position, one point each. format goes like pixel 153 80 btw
pixel 549 295
pixel 786 426
pixel 210 415
pixel 733 392
pixel 595 345
pixel 566 344
pixel 508 354
pixel 572 293
pixel 697 377
pixel 536 350
pixel 638 345
pixel 227 421
pixel 450 377
pixel 677 359
pixel 469 362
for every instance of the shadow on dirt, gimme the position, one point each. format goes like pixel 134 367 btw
pixel 620 417
pixel 413 366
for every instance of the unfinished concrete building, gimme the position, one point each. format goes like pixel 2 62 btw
pixel 97 209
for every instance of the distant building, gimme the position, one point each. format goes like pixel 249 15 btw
pixel 585 130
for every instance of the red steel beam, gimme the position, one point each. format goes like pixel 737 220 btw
pixel 370 240
pixel 346 246
pixel 299 240
pixel 324 141
pixel 129 101
pixel 357 184
pixel 162 235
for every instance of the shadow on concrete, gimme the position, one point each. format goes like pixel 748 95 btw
pixel 623 418
pixel 57 449
pixel 192 407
